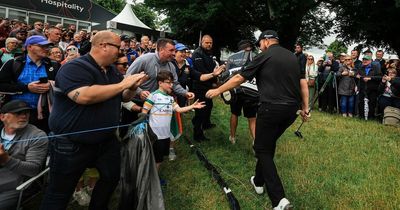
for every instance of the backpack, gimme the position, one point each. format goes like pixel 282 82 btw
pixel 391 116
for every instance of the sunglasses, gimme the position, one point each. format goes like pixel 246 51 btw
pixel 348 59
pixel 123 64
pixel 114 45
pixel 310 58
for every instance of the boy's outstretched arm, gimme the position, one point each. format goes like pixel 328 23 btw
pixel 195 105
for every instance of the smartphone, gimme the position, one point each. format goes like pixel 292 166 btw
pixel 72 50
pixel 43 80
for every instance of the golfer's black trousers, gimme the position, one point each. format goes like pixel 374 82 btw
pixel 272 121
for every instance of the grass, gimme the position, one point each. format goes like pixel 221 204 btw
pixel 342 163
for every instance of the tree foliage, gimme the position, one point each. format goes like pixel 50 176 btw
pixel 229 21
pixel 337 47
pixel 371 22
pixel 113 5
pixel 307 21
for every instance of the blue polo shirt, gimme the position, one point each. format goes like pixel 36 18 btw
pixel 31 72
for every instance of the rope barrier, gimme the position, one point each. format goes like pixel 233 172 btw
pixel 233 202
pixel 48 137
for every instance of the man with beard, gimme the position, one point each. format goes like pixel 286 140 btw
pixel 18 160
pixel 283 91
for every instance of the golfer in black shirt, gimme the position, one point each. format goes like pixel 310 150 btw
pixel 283 90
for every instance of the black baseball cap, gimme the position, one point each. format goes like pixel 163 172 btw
pixel 15 106
pixel 268 34
pixel 125 37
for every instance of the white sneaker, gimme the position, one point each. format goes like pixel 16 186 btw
pixel 284 204
pixel 81 197
pixel 259 190
pixel 232 139
pixel 172 155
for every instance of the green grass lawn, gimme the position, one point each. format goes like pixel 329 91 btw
pixel 342 163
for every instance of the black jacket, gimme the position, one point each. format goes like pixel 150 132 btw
pixel 373 84
pixel 203 63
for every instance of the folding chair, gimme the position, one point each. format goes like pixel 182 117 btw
pixel 39 179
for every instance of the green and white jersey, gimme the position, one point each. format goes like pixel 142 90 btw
pixel 161 107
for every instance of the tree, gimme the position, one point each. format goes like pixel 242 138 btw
pixel 372 22
pixel 337 47
pixel 113 5
pixel 229 21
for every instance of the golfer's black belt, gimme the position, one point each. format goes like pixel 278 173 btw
pixel 233 202
pixel 278 103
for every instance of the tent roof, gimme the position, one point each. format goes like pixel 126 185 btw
pixel 126 16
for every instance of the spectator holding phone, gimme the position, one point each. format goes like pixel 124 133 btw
pixel 390 89
pixel 21 75
pixel 327 99
pixel 71 53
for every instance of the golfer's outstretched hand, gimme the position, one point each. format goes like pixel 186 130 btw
pixel 212 93
pixel 305 115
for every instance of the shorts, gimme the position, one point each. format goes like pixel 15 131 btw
pixel 161 149
pixel 249 108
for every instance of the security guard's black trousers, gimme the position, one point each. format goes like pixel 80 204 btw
pixel 272 121
pixel 202 116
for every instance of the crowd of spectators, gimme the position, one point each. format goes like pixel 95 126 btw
pixel 354 87
pixel 31 56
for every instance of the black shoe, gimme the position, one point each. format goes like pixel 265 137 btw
pixel 201 138
pixel 209 126
pixel 197 139
pixel 205 139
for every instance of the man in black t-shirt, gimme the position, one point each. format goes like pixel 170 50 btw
pixel 88 95
pixel 283 90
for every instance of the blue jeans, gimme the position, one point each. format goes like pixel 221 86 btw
pixel 68 160
pixel 347 104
